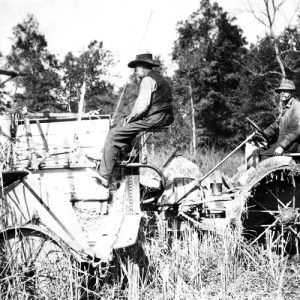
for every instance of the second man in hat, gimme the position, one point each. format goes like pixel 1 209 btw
pixel 283 135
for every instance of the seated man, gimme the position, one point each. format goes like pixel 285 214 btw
pixel 283 135
pixel 152 109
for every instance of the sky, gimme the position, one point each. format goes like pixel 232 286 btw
pixel 126 27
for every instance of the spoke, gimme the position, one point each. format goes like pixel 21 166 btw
pixel 262 206
pixel 36 264
pixel 295 232
pixel 271 225
pixel 274 208
pixel 22 248
pixel 277 239
pixel 297 238
pixel 282 237
pixel 278 200
pixel 37 252
pixel 271 212
pixel 294 192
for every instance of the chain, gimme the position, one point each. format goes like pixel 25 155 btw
pixel 130 188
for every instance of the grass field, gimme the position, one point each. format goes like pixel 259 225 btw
pixel 187 264
pixel 205 265
pixel 208 266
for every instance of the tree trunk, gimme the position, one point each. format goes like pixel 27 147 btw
pixel 193 120
pixel 271 20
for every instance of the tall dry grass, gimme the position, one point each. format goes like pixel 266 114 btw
pixel 205 160
pixel 204 265
pixel 190 264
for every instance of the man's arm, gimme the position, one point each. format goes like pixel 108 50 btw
pixel 143 101
pixel 291 130
pixel 271 131
pixel 288 138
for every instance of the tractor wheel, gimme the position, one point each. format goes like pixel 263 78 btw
pixel 272 210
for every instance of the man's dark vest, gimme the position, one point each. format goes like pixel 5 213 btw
pixel 162 97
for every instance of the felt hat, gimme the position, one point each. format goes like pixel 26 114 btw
pixel 145 58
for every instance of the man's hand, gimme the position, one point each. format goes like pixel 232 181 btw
pixel 278 151
pixel 258 137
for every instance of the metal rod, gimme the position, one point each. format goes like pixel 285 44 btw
pixel 42 135
pixel 278 200
pixel 213 169
pixel 294 195
pixel 226 157
pixel 40 200
pixel 6 80
pixel 264 232
pixel 291 154
pixel 170 158
pixel 262 206
pixel 33 161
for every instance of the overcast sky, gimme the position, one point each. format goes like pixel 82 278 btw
pixel 126 27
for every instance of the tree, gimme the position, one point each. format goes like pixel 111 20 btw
pixel 90 66
pixel 29 54
pixel 209 52
pixel 258 79
pixel 2 91
pixel 267 13
pixel 274 57
pixel 289 47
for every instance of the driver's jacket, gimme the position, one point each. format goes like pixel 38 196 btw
pixel 285 131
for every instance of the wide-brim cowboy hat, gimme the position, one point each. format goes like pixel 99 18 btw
pixel 286 85
pixel 143 59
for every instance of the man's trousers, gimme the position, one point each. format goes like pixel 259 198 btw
pixel 120 137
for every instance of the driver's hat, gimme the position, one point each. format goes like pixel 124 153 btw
pixel 286 85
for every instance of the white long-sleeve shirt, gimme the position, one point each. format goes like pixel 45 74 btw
pixel 143 101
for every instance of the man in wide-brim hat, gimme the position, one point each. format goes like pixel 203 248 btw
pixel 152 109
pixel 283 135
pixel 143 59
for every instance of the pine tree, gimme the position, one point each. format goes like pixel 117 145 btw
pixel 30 55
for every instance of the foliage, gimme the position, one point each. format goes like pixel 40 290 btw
pixel 258 78
pixel 267 13
pixel 261 75
pixel 227 81
pixel 90 66
pixel 29 54
pixel 54 86
pixel 289 46
pixel 2 91
pixel 209 53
